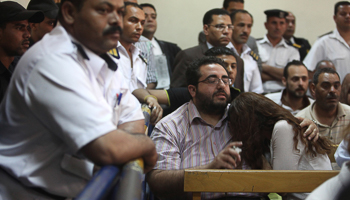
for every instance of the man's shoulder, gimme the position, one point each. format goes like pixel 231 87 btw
pixel 345 107
pixel 177 117
pixel 306 112
pixel 300 40
pixel 163 42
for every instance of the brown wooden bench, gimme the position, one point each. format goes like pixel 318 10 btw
pixel 265 181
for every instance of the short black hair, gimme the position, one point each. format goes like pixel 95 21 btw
pixel 217 51
pixel 322 71
pixel 234 13
pixel 131 4
pixel 293 62
pixel 340 3
pixel 208 16
pixel 227 2
pixel 193 72
pixel 148 5
pixel 78 4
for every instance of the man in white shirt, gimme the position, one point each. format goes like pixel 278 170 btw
pixel 164 52
pixel 132 64
pixel 293 97
pixel 242 23
pixel 64 109
pixel 274 52
pixel 334 46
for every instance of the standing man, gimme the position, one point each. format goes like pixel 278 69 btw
pixel 50 10
pixel 296 80
pixel 132 64
pixel 335 45
pixel 217 27
pixel 164 52
pixel 331 116
pixel 300 43
pixel 242 25
pixel 275 53
pixel 14 38
pixel 60 111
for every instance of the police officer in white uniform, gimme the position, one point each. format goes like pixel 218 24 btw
pixel 275 53
pixel 242 23
pixel 66 106
pixel 334 46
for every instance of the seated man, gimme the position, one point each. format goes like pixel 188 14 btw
pixel 293 97
pixel 196 135
pixel 64 109
pixel 331 116
pixel 50 10
pixel 176 97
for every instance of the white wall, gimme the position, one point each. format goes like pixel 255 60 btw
pixel 180 21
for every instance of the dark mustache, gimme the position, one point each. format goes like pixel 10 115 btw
pixel 113 29
pixel 244 34
pixel 332 96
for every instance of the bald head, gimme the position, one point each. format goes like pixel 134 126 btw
pixel 324 64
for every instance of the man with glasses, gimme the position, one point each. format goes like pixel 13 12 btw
pixel 217 27
pixel 274 52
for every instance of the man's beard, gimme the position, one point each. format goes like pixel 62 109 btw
pixel 298 93
pixel 207 105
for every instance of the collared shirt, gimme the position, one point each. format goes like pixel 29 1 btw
pixel 146 52
pixel 156 48
pixel 276 56
pixel 252 76
pixel 331 47
pixel 184 140
pixel 5 76
pixel 277 98
pixel 342 154
pixel 138 73
pixel 59 101
pixel 335 132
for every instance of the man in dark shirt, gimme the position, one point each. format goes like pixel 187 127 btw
pixel 14 38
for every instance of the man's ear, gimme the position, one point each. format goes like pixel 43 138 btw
pixel 313 90
pixel 68 12
pixel 192 89
pixel 284 81
pixel 205 29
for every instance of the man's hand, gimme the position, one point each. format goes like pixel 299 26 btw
pixel 312 131
pixel 228 158
pixel 157 110
pixel 149 160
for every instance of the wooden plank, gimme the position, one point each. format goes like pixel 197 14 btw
pixel 196 196
pixel 254 180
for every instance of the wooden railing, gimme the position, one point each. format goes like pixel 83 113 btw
pixel 251 181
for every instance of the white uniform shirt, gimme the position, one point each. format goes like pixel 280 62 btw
pixel 277 98
pixel 156 48
pixel 252 76
pixel 58 101
pixel 137 75
pixel 330 47
pixel 277 56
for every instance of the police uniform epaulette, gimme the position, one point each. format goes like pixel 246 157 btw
pixel 254 55
pixel 143 59
pixel 115 53
pixel 325 34
pixel 296 45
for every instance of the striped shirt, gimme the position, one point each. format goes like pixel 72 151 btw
pixel 184 140
pixel 334 132
pixel 146 46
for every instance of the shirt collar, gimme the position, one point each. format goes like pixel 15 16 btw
pixel 336 35
pixel 194 114
pixel 340 111
pixel 229 45
pixel 95 61
pixel 266 40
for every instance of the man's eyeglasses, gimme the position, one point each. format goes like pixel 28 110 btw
pixel 221 27
pixel 215 80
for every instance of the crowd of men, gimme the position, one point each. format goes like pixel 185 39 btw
pixel 72 80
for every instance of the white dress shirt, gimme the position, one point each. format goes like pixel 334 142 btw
pixel 276 56
pixel 330 47
pixel 58 101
